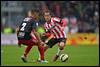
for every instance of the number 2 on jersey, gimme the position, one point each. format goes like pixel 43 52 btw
pixel 23 26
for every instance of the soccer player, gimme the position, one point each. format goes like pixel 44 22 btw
pixel 27 34
pixel 53 25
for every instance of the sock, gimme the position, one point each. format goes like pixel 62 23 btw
pixel 59 51
pixel 45 48
pixel 41 50
pixel 28 48
pixel 39 57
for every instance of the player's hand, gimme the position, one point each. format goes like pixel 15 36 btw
pixel 47 34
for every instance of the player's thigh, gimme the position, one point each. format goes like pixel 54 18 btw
pixel 23 42
pixel 34 42
pixel 52 42
pixel 62 43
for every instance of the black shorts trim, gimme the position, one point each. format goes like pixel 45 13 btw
pixel 54 41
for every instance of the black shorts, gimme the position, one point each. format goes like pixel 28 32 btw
pixel 53 41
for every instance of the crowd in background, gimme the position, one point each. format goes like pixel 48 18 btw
pixel 82 15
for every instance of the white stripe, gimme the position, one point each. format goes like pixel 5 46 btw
pixel 58 25
pixel 61 30
pixel 61 36
pixel 56 19
pixel 55 33
pixel 57 30
pixel 33 35
pixel 47 27
pixel 51 20
pixel 52 24
pixel 64 34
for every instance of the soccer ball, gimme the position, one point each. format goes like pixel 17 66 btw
pixel 64 57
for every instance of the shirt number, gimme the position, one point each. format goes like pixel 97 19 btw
pixel 23 26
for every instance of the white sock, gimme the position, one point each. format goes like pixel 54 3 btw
pixel 39 57
pixel 59 51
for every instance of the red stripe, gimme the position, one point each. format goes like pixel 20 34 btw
pixel 52 22
pixel 33 37
pixel 57 33
pixel 61 31
pixel 46 27
pixel 49 26
pixel 54 29
pixel 53 33
pixel 58 28
pixel 51 29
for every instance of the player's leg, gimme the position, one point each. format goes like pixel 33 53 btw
pixel 26 52
pixel 52 42
pixel 42 49
pixel 48 45
pixel 60 49
pixel 24 56
pixel 44 38
pixel 29 45
pixel 41 53
pixel 28 48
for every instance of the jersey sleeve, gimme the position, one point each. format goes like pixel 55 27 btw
pixel 45 27
pixel 56 19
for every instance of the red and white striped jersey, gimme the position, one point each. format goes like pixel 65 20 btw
pixel 57 31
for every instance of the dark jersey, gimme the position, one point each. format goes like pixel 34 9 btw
pixel 26 27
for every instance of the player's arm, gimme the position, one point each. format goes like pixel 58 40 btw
pixel 17 30
pixel 57 20
pixel 47 34
pixel 36 34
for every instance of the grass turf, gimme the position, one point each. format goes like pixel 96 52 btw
pixel 79 55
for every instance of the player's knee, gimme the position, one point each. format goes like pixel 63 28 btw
pixel 61 45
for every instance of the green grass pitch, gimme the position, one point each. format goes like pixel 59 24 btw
pixel 79 55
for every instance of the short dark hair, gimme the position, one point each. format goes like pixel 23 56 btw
pixel 48 12
pixel 33 11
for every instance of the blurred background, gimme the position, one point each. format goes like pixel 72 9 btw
pixel 83 16
pixel 82 30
